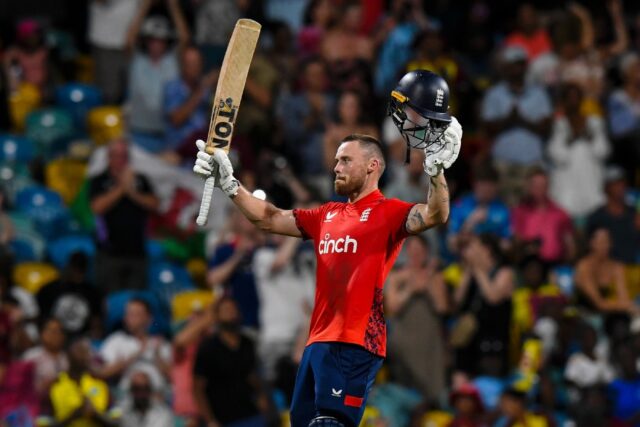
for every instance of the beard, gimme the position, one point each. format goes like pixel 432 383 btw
pixel 345 187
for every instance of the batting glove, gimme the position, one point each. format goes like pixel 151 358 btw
pixel 217 165
pixel 434 163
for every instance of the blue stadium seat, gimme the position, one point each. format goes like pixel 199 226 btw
pixel 45 208
pixel 117 302
pixel 166 280
pixel 48 125
pixel 78 99
pixel 23 250
pixel 16 149
pixel 60 250
pixel 36 198
pixel 155 251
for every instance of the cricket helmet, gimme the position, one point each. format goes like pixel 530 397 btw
pixel 419 107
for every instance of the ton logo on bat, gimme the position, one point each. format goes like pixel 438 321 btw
pixel 224 129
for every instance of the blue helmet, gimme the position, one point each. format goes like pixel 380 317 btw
pixel 427 94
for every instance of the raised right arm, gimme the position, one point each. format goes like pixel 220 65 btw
pixel 265 215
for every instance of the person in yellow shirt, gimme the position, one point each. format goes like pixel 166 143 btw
pixel 78 399
pixel 514 411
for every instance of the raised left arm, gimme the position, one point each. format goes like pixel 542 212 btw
pixel 435 212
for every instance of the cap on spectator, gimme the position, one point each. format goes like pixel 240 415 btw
pixel 26 28
pixel 467 390
pixel 515 53
pixel 157 27
pixel 613 173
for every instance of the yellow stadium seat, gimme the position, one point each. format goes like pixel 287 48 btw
pixel 185 303
pixel 197 268
pixel 105 124
pixel 370 417
pixel 436 419
pixel 22 102
pixel 286 419
pixel 34 275
pixel 65 176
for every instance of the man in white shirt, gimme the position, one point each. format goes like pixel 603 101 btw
pixel 132 350
pixel 284 273
pixel 109 22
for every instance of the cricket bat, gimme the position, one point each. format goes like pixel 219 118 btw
pixel 226 101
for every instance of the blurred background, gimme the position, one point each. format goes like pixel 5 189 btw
pixel 116 310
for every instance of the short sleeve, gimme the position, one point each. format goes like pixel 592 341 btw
pixel 108 351
pixel 172 98
pixel 397 212
pixel 308 221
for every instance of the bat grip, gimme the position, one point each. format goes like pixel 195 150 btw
pixel 205 204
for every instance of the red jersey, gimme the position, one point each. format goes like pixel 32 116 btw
pixel 356 245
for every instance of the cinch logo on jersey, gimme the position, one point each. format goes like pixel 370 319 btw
pixel 341 245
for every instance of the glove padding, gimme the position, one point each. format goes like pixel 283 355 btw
pixel 217 165
pixel 443 159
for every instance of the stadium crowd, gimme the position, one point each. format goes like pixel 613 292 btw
pixel 115 309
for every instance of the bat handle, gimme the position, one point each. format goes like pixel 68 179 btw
pixel 205 204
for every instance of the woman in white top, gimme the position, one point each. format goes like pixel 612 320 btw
pixel 578 150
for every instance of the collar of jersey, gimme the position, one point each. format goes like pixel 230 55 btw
pixel 371 197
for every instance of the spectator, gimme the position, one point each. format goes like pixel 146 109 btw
pixel 517 115
pixel 109 24
pixel 231 267
pixel 303 117
pixel 284 271
pixel 621 220
pixel 142 408
pixel 483 300
pixel 214 22
pixel 19 303
pixel 187 99
pixel 539 220
pixel 529 34
pixel 227 389
pixel 394 37
pixel 578 148
pixel 467 405
pixel 514 413
pixel 151 67
pixel 625 390
pixel 601 285
pixel 479 212
pixel 121 200
pixel 133 349
pixel 431 55
pixel 185 347
pixel 533 300
pixel 77 397
pixel 588 367
pixel 344 49
pixel 318 18
pixel 623 108
pixel 28 60
pixel 73 300
pixel 49 357
pixel 416 299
